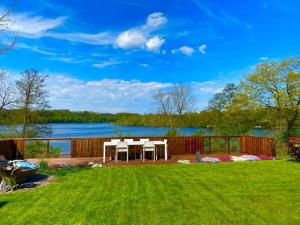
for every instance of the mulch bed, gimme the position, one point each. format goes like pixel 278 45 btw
pixel 33 181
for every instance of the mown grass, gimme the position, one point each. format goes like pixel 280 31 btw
pixel 264 192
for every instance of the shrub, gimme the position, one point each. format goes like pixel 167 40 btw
pixel 38 149
pixel 294 149
pixel 198 133
pixel 173 132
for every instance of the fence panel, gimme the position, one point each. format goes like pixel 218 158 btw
pixel 257 145
pixel 12 149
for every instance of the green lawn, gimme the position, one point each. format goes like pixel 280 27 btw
pixel 264 192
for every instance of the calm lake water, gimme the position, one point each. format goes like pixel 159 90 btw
pixel 108 130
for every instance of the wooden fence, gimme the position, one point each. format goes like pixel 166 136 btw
pixel 93 147
pixel 257 146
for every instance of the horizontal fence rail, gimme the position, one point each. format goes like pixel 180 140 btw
pixel 93 147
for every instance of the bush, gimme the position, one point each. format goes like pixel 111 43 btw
pixel 198 133
pixel 294 149
pixel 173 132
pixel 38 149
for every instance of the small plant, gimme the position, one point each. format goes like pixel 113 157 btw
pixel 198 133
pixel 173 132
pixel 119 133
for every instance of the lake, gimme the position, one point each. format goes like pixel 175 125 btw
pixel 108 130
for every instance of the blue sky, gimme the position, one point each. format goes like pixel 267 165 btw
pixel 111 56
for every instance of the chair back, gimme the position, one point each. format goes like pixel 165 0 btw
pixel 128 140
pixel 115 141
pixel 149 144
pixel 143 140
pixel 122 144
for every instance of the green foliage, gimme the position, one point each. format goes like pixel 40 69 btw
pixel 275 85
pixel 38 149
pixel 119 133
pixel 59 172
pixel 173 132
pixel 199 133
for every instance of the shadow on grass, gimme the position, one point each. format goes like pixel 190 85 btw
pixel 3 203
pixel 33 181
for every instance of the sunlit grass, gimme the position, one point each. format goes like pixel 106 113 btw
pixel 264 192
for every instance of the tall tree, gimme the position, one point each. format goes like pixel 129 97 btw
pixel 275 85
pixel 32 96
pixel 179 99
pixel 6 92
pixel 5 26
pixel 220 102
pixel 163 102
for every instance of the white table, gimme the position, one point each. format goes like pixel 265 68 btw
pixel 134 143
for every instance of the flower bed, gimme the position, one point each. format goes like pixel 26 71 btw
pixel 230 159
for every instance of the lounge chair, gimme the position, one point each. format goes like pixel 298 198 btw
pixel 13 171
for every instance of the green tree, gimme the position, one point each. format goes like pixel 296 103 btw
pixel 275 86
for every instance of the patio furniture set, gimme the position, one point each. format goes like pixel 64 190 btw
pixel 123 147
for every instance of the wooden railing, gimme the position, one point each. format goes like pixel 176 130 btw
pixel 93 147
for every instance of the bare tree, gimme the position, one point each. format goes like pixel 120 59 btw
pixel 182 98
pixel 164 102
pixel 178 100
pixel 6 92
pixel 5 26
pixel 32 96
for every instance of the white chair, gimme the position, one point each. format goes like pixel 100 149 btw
pixel 128 140
pixel 148 146
pixel 143 140
pixel 115 141
pixel 122 147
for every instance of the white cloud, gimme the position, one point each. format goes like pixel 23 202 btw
pixel 107 63
pixel 186 50
pixel 34 26
pixel 30 26
pixel 202 48
pixel 264 58
pixel 104 38
pixel 107 95
pixel 115 95
pixel 36 49
pixel 155 20
pixel 144 65
pixel 140 37
pixel 131 39
pixel 155 43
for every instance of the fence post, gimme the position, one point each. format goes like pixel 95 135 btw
pixel 209 145
pixel 228 145
pixel 48 148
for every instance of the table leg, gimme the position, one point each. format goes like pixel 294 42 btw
pixel 166 152
pixel 104 153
